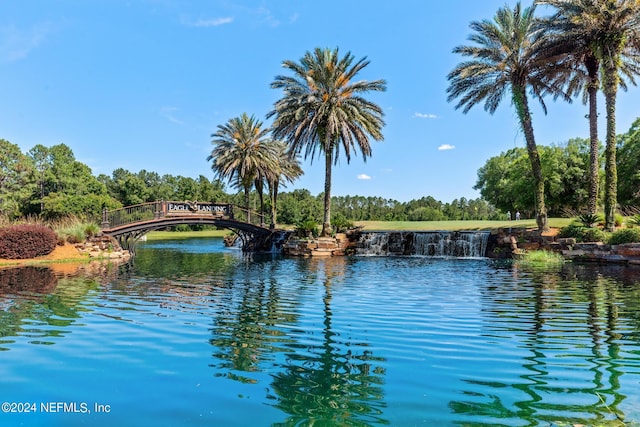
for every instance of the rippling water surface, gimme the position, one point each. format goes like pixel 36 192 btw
pixel 192 334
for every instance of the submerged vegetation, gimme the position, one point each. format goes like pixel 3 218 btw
pixel 539 258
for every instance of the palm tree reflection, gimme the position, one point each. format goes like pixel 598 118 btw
pixel 570 323
pixel 318 379
pixel 331 384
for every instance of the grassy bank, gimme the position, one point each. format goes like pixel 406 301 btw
pixel 166 235
pixel 457 225
pixel 383 226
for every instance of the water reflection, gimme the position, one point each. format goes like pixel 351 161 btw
pixel 223 339
pixel 330 382
pixel 27 280
pixel 37 304
pixel 248 330
pixel 316 378
pixel 564 325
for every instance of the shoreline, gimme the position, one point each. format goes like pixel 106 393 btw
pixel 66 253
pixel 66 257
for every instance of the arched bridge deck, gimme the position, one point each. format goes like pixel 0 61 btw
pixel 130 223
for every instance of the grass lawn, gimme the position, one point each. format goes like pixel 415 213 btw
pixel 166 235
pixel 457 225
pixel 383 226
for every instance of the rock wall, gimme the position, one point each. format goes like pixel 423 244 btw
pixel 508 243
pixel 322 246
pixel 103 247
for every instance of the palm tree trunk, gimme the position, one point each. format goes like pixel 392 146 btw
pixel 274 203
pixel 522 107
pixel 594 153
pixel 326 221
pixel 611 172
pixel 273 192
pixel 260 189
pixel 246 201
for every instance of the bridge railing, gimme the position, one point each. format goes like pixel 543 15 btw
pixel 127 215
pixel 161 209
pixel 251 217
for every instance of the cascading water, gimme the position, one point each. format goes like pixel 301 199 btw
pixel 373 244
pixel 460 244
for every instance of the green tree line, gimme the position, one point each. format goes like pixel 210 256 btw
pixel 505 180
pixel 49 182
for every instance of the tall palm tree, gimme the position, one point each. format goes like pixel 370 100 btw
pixel 602 35
pixel 323 110
pixel 241 153
pixel 287 169
pixel 569 41
pixel 621 32
pixel 506 58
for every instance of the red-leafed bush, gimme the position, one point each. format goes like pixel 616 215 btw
pixel 26 241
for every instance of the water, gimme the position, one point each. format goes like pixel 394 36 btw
pixel 194 334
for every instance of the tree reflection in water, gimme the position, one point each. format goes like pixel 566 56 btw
pixel 320 380
pixel 37 304
pixel 575 315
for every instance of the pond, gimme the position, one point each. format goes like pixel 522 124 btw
pixel 191 333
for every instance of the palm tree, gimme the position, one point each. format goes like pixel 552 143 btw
pixel 287 169
pixel 621 31
pixel 600 34
pixel 323 110
pixel 506 58
pixel 241 153
pixel 570 42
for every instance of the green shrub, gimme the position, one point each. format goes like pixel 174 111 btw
pixel 340 223
pixel 73 234
pixel 91 229
pixel 573 230
pixel 307 228
pixel 626 235
pixel 593 235
pixel 74 230
pixel 26 241
pixel 634 220
pixel 618 220
pixel 544 258
pixel 589 220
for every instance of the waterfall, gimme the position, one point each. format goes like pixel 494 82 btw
pixel 459 244
pixel 373 244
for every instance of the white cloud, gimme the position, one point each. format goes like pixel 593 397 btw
pixel 445 147
pixel 364 176
pixel 266 16
pixel 167 113
pixel 15 44
pixel 425 116
pixel 203 23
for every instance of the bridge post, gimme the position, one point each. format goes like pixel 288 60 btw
pixel 156 211
pixel 105 218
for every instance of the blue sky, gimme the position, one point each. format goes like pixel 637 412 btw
pixel 142 84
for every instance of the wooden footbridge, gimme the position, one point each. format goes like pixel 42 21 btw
pixel 130 223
